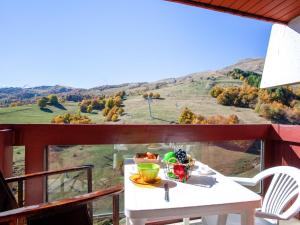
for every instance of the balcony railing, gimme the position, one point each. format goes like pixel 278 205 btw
pixel 281 143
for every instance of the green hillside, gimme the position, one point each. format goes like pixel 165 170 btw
pixel 175 98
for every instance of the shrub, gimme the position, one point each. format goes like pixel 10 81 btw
pixel 188 117
pixel 284 95
pixel 216 91
pixel 117 101
pixel 226 98
pixel 75 97
pixel 58 119
pixel 254 80
pixel 120 111
pixel 151 95
pixel 62 100
pixel 83 108
pixel 293 115
pixel 233 119
pixel 114 117
pixel 105 111
pixel 109 103
pixel 97 104
pixel 245 96
pixel 109 115
pixel 15 104
pixel 251 78
pixel 89 109
pixel 156 95
pixel 121 94
pixel 145 95
pixel 295 104
pixel 69 118
pixel 275 110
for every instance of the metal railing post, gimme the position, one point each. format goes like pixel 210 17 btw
pixel 116 209
pixel 20 193
pixel 90 187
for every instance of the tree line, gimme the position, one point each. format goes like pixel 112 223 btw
pixel 111 107
pixel 281 104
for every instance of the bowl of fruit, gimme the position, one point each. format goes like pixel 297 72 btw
pixel 147 157
pixel 178 165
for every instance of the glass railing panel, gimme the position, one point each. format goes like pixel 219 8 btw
pixel 231 158
pixel 18 160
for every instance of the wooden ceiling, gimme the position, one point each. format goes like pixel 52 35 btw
pixel 279 11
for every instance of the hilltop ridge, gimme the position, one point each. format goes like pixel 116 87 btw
pixel 11 94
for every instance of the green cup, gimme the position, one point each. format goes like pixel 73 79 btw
pixel 148 171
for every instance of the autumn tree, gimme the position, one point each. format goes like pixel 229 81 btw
pixel 109 103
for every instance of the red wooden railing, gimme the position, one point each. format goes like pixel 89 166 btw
pixel 282 142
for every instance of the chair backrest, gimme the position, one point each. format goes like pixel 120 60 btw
pixel 72 215
pixel 284 190
pixel 7 199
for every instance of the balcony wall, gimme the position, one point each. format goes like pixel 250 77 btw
pixel 281 142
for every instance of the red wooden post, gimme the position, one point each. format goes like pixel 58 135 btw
pixel 283 147
pixel 35 161
pixel 6 152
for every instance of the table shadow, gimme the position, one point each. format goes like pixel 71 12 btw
pixel 202 181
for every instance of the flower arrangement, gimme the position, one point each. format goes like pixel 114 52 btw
pixel 178 165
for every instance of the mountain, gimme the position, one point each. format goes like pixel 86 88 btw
pixel 12 94
pixel 254 65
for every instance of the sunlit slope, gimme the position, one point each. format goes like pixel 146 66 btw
pixel 193 95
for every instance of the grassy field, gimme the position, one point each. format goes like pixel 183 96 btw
pixel 33 114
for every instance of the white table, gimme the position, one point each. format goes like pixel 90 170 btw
pixel 200 196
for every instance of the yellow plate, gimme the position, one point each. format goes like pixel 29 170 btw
pixel 136 178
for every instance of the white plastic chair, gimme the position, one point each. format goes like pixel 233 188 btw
pixel 284 187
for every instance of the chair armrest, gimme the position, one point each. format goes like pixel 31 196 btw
pixel 40 208
pixel 47 173
pixel 258 213
pixel 244 181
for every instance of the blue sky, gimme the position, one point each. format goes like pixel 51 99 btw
pixel 89 43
